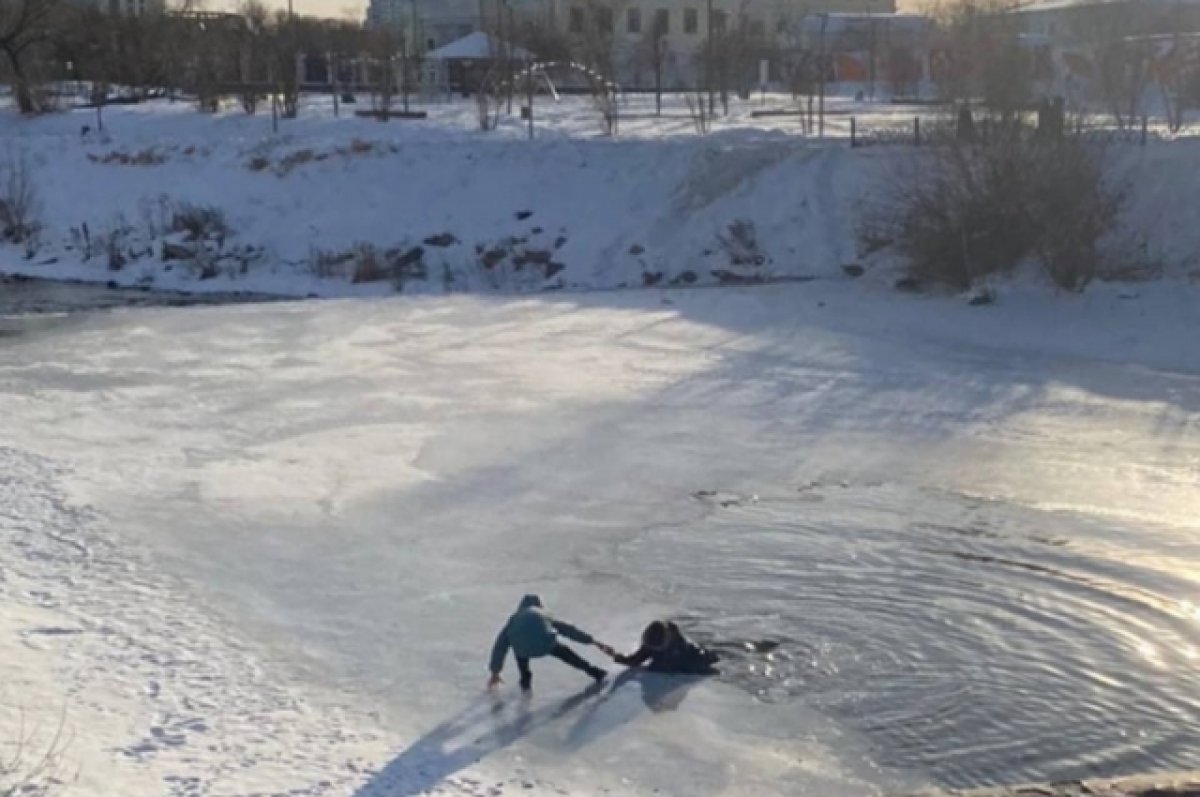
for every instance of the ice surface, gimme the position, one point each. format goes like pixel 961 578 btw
pixel 288 532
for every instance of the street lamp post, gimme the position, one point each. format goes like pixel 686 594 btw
pixel 708 61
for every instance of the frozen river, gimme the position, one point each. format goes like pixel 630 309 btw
pixel 937 545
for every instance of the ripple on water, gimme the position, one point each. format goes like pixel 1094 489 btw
pixel 984 644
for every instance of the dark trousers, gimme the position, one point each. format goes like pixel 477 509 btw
pixel 560 652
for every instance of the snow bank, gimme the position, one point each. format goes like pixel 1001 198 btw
pixel 304 212
pixel 352 207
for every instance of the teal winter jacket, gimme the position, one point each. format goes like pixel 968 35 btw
pixel 531 633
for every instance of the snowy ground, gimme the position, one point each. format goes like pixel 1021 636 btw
pixel 263 549
pixel 335 206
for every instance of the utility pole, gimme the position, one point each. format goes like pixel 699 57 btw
pixel 874 48
pixel 822 67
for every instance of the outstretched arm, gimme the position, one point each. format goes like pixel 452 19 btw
pixel 572 633
pixel 634 660
pixel 499 653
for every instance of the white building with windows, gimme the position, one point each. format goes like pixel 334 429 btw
pixel 126 7
pixel 685 27
pixel 436 23
pixel 630 26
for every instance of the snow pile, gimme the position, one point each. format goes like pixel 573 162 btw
pixel 331 215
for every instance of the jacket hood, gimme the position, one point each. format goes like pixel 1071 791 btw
pixel 529 601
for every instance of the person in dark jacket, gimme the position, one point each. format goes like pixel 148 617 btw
pixel 666 650
pixel 532 633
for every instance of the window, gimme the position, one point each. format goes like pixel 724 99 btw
pixel 662 21
pixel 718 21
pixel 691 21
pixel 575 24
pixel 633 20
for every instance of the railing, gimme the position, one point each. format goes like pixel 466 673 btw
pixel 941 132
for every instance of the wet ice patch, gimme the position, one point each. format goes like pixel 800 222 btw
pixel 1007 630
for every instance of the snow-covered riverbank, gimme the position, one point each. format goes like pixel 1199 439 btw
pixel 172 199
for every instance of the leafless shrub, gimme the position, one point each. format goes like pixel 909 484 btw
pixel 31 765
pixel 369 264
pixel 19 202
pixel 698 111
pixel 294 159
pixel 146 157
pixel 200 222
pixel 115 250
pixel 740 243
pixel 364 262
pixel 327 264
pixel 82 242
pixel 963 213
pixel 258 163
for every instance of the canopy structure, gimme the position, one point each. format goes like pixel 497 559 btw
pixel 479 46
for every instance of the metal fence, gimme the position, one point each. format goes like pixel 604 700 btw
pixel 927 131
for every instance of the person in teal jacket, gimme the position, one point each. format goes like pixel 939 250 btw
pixel 532 633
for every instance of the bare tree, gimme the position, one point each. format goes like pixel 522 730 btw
pixel 410 56
pixel 596 47
pixel 655 51
pixel 1178 75
pixel 729 58
pixel 383 44
pixel 25 25
pixel 1121 57
pixel 286 54
pixel 984 58
pixel 253 52
pixel 543 37
pixel 903 72
pixel 607 100
pixel 489 100
pixel 698 110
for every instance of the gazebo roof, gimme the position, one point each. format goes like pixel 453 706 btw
pixel 478 46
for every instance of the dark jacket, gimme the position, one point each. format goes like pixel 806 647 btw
pixel 531 633
pixel 679 655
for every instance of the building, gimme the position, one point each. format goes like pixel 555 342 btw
pixel 635 32
pixel 883 53
pixel 1072 21
pixel 436 23
pixel 676 35
pixel 1070 41
pixel 126 7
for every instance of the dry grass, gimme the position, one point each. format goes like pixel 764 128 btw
pixel 146 157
